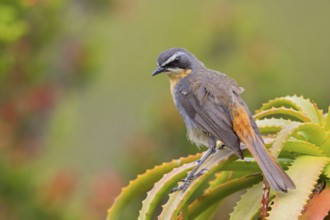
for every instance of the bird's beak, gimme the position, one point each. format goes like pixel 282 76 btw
pixel 158 70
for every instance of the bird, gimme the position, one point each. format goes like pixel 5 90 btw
pixel 213 110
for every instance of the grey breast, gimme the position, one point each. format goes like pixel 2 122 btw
pixel 194 133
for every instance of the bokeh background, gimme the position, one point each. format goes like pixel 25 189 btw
pixel 80 114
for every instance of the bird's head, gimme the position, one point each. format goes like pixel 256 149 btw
pixel 175 61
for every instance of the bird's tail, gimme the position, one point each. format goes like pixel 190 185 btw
pixel 272 171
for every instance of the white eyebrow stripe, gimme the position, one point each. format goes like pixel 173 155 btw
pixel 172 58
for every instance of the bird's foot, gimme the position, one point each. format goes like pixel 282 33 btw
pixel 186 182
pixel 197 161
pixel 194 174
pixel 221 146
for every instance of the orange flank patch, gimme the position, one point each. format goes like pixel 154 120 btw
pixel 241 123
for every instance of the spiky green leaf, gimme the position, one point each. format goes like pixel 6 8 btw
pixel 282 136
pixel 325 146
pixel 297 115
pixel 162 188
pixel 296 103
pixel 142 183
pixel 219 179
pixel 249 204
pixel 178 199
pixel 327 120
pixel 272 125
pixel 302 147
pixel 217 194
pixel 307 107
pixel 327 170
pixel 279 102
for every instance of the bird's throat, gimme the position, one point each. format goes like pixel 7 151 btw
pixel 175 78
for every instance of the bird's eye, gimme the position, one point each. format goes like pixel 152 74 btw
pixel 175 62
pixel 171 64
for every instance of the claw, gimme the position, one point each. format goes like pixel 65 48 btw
pixel 197 161
pixel 221 146
pixel 201 172
pixel 193 175
pixel 188 180
pixel 183 187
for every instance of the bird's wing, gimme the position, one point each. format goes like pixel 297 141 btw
pixel 205 106
pixel 214 104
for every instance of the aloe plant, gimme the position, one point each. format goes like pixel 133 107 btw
pixel 295 131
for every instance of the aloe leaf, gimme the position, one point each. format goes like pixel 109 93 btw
pixel 327 120
pixel 310 132
pixel 290 205
pixel 248 164
pixel 210 212
pixel 313 133
pixel 212 196
pixel 283 111
pixel 177 199
pixel 303 147
pixel 220 178
pixel 299 104
pixel 268 140
pixel 325 146
pixel 249 204
pixel 282 136
pixel 327 170
pixel 161 188
pixel 142 183
pixel 279 102
pixel 272 125
pixel 307 107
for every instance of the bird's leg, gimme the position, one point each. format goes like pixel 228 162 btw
pixel 193 175
pixel 219 148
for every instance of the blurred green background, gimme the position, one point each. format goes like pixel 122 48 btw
pixel 80 114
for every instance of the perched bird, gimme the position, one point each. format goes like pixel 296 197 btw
pixel 212 109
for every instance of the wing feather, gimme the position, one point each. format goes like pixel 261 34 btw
pixel 209 112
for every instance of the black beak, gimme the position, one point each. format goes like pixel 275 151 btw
pixel 158 70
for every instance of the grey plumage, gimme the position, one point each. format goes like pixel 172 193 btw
pixel 212 109
pixel 206 111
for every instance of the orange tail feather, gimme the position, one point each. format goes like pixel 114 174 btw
pixel 272 171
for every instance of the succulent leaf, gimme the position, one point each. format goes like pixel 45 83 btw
pixel 327 120
pixel 272 125
pixel 142 183
pixel 327 170
pixel 307 107
pixel 279 102
pixel 302 147
pixel 249 204
pixel 177 199
pixel 300 140
pixel 296 103
pixel 212 196
pixel 283 111
pixel 162 188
